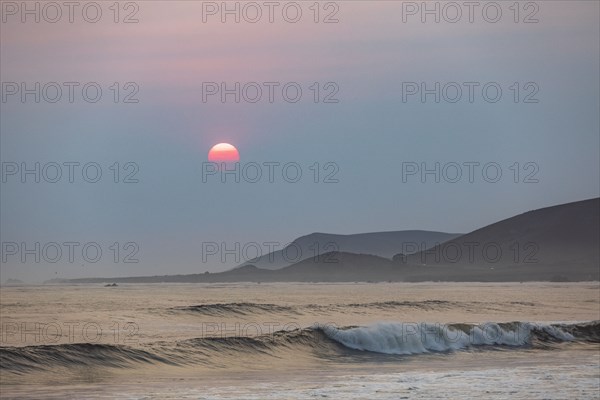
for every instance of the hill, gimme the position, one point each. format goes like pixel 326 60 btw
pixel 559 243
pixel 382 244
pixel 554 243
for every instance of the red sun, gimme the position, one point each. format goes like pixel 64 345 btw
pixel 223 152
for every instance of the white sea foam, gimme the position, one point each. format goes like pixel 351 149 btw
pixel 417 338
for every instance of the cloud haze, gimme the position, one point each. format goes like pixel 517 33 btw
pixel 369 134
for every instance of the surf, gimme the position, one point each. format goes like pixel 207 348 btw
pixel 322 341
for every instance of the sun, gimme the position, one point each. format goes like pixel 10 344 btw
pixel 223 152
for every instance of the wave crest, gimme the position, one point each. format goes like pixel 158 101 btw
pixel 418 338
pixel 321 341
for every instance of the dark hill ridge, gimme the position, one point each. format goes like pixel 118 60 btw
pixel 554 244
pixel 564 237
pixel 383 244
pixel 342 267
pixel 328 267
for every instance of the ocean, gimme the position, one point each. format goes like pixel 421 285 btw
pixel 301 341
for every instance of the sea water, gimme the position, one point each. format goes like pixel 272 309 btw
pixel 297 341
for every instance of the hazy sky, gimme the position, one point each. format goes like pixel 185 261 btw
pixel 371 61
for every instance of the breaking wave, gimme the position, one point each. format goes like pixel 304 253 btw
pixel 411 338
pixel 341 344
